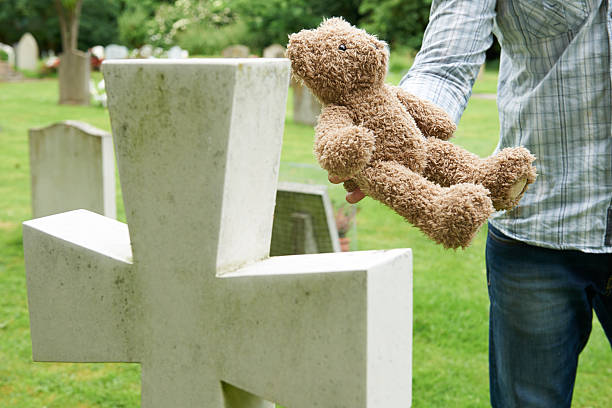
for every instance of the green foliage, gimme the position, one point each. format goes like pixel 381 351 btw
pixel 200 39
pixel 3 55
pixel 133 26
pixel 172 19
pixel 270 21
pixel 399 22
pixel 98 24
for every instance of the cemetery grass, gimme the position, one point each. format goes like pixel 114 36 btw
pixel 450 291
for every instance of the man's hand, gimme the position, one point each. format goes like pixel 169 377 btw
pixel 352 197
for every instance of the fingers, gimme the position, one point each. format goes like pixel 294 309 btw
pixel 335 179
pixel 355 196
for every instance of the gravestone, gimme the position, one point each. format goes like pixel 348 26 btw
pixel 27 53
pixel 98 52
pixel 74 73
pixel 10 52
pixel 177 52
pixel 303 221
pixel 306 107
pixel 114 51
pixel 71 166
pixel 236 51
pixel 146 51
pixel 274 51
pixel 188 290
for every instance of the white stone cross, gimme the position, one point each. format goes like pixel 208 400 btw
pixel 186 288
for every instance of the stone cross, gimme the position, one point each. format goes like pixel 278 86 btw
pixel 72 167
pixel 186 288
pixel 303 221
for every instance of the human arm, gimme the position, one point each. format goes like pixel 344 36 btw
pixel 457 36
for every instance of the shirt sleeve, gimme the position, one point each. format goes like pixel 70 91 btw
pixel 457 36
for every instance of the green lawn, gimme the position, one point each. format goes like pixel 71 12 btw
pixel 450 297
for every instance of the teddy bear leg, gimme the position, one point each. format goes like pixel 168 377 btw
pixel 450 216
pixel 506 175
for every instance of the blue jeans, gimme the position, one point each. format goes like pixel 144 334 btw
pixel 542 303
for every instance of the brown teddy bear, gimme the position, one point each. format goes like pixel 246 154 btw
pixel 392 145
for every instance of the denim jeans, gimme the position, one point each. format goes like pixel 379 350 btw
pixel 542 303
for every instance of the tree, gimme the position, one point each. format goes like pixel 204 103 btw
pixel 75 66
pixel 69 12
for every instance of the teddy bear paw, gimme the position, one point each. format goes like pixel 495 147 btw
pixel 461 211
pixel 507 176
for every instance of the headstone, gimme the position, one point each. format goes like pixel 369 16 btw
pixel 236 51
pixel 114 51
pixel 98 52
pixel 27 53
pixel 146 51
pixel 306 107
pixel 188 290
pixel 10 52
pixel 274 51
pixel 74 73
pixel 177 52
pixel 303 221
pixel 71 167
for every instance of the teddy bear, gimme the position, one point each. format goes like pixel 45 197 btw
pixel 393 145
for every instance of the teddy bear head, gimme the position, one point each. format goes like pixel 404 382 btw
pixel 337 60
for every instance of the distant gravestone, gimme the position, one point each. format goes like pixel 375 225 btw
pixel 306 107
pixel 114 51
pixel 27 53
pixel 71 167
pixel 236 51
pixel 177 52
pixel 274 51
pixel 74 73
pixel 303 221
pixel 146 51
pixel 98 52
pixel 10 52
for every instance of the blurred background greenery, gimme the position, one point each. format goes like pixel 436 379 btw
pixel 205 27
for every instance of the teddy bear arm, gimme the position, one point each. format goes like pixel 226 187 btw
pixel 432 120
pixel 341 147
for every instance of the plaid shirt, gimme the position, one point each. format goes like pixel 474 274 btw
pixel 554 98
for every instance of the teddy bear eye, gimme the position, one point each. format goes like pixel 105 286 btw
pixel 342 47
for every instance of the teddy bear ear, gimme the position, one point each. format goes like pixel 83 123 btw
pixel 334 22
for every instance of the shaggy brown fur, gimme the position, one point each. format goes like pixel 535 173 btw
pixel 392 145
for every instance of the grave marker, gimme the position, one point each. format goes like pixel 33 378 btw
pixel 274 51
pixel 303 221
pixel 27 53
pixel 306 107
pixel 188 290
pixel 114 51
pixel 71 166
pixel 235 51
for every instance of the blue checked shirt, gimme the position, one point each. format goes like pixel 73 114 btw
pixel 554 98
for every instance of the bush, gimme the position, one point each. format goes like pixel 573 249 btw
pixel 398 22
pixel 202 39
pixel 133 27
pixel 173 19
